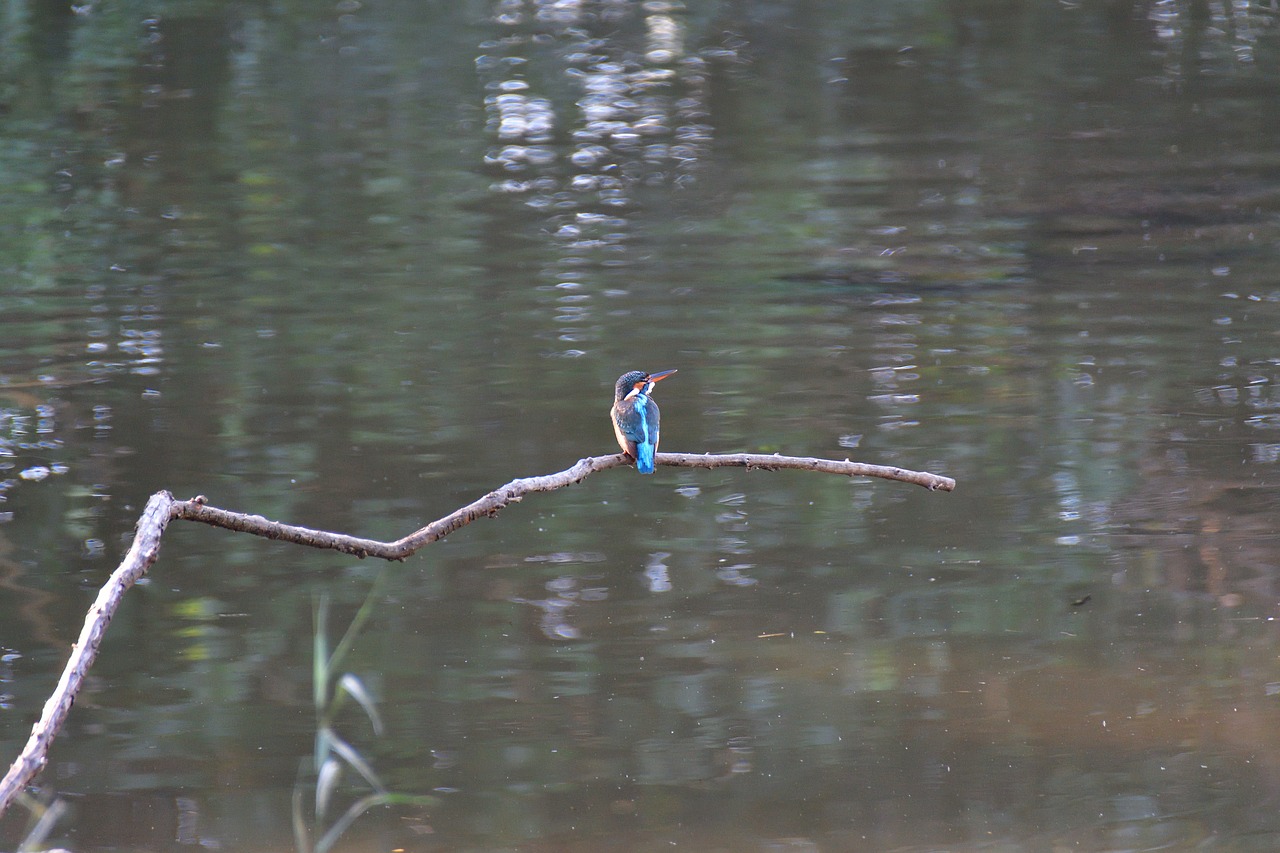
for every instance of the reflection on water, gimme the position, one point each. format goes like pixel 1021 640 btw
pixel 633 116
pixel 352 266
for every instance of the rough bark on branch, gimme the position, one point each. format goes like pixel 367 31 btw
pixel 163 507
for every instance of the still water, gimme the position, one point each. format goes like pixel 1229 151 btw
pixel 353 265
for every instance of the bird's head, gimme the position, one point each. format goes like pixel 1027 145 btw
pixel 638 382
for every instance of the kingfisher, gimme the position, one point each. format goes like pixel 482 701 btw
pixel 635 416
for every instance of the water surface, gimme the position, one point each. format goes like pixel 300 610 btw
pixel 352 267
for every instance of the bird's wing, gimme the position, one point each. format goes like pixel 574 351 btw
pixel 631 421
pixel 625 441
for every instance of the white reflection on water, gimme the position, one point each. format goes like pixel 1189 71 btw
pixel 635 117
pixel 657 575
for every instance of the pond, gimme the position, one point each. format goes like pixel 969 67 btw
pixel 354 265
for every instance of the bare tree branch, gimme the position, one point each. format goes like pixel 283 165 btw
pixel 489 505
pixel 145 549
pixel 776 462
pixel 163 507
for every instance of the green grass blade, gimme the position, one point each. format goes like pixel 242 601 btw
pixel 343 823
pixel 320 655
pixel 301 838
pixel 349 754
pixel 357 623
pixel 355 688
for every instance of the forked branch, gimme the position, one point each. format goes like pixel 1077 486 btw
pixel 164 507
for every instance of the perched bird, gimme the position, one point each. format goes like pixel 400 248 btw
pixel 635 416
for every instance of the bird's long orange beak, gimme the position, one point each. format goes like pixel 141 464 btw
pixel 662 374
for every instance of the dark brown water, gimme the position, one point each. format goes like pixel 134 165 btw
pixel 354 266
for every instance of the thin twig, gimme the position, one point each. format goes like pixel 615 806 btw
pixel 775 462
pixel 162 507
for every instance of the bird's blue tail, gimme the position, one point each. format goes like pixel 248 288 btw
pixel 644 458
